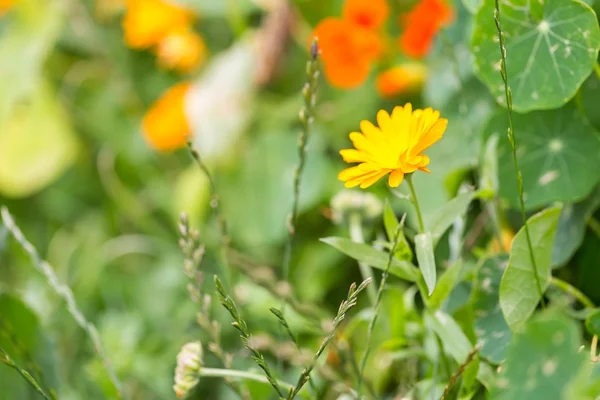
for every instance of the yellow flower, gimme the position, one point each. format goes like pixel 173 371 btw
pixel 395 147
pixel 182 50
pixel 147 22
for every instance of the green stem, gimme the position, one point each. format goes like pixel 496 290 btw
pixel 235 374
pixel 597 70
pixel 377 307
pixel 415 201
pixel 356 234
pixel 573 291
pixel 594 225
pixel 513 143
pixel 5 359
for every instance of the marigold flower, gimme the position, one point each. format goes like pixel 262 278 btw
pixel 182 50
pixel 347 51
pixel 370 14
pixel 395 147
pixel 165 125
pixel 400 79
pixel 147 22
pixel 422 24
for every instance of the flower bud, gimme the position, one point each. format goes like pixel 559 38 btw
pixel 348 202
pixel 189 362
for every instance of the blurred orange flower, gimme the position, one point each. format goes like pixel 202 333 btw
pixel 147 22
pixel 5 5
pixel 370 14
pixel 165 125
pixel 347 51
pixel 395 147
pixel 181 50
pixel 400 79
pixel 422 24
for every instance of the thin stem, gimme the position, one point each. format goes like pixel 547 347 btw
pixel 573 291
pixel 309 93
pixel 593 348
pixel 356 234
pixel 377 307
pixel 460 371
pixel 415 201
pixel 5 359
pixel 64 292
pixel 232 373
pixel 597 70
pixel 594 225
pixel 215 204
pixel 513 143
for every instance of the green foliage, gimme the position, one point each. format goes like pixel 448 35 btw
pixel 426 259
pixel 551 47
pixel 553 148
pixel 519 294
pixel 592 323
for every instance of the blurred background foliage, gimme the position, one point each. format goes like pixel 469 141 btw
pixel 94 169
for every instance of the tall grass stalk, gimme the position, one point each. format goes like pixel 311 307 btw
pixel 384 277
pixel 63 291
pixel 513 144
pixel 6 360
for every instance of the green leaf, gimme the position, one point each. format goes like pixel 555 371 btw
pixel 426 259
pixel 553 149
pixel 438 222
pixel 445 284
pixel 551 49
pixel 373 257
pixel 542 361
pixel 489 165
pixel 472 5
pixel 493 333
pixel 571 227
pixel 454 340
pixel 23 338
pixel 592 323
pixel 519 293
pixel 390 222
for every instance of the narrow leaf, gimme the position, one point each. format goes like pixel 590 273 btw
pixel 443 218
pixel 519 294
pixel 426 259
pixel 454 339
pixel 373 257
pixel 390 222
pixel 445 285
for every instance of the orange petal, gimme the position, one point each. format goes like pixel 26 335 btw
pixel 396 178
pixel 370 14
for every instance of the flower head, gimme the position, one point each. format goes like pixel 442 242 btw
pixel 347 51
pixel 422 24
pixel 147 22
pixel 165 125
pixel 181 50
pixel 189 362
pixel 400 79
pixel 395 147
pixel 370 14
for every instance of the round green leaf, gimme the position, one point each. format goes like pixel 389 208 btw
pixel 555 151
pixel 592 323
pixel 551 48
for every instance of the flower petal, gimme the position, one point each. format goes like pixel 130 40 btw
pixel 352 155
pixel 372 179
pixel 432 135
pixel 396 178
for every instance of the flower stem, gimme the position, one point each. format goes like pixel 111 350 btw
pixel 415 201
pixel 384 277
pixel 573 291
pixel 513 143
pixel 356 234
pixel 232 373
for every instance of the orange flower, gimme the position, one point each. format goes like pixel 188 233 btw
pixel 165 125
pixel 370 14
pixel 182 50
pixel 347 51
pixel 422 24
pixel 147 22
pixel 400 79
pixel 5 5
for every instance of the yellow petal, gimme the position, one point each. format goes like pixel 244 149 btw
pixel 396 178
pixel 384 121
pixel 361 142
pixel 432 135
pixel 371 180
pixel 352 155
pixel 359 180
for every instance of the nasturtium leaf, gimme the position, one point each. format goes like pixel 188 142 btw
pixel 455 341
pixel 551 48
pixel 542 361
pixel 571 227
pixel 555 150
pixel 519 293
pixel 592 323
pixel 588 99
pixel 373 257
pixel 426 259
pixel 493 333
